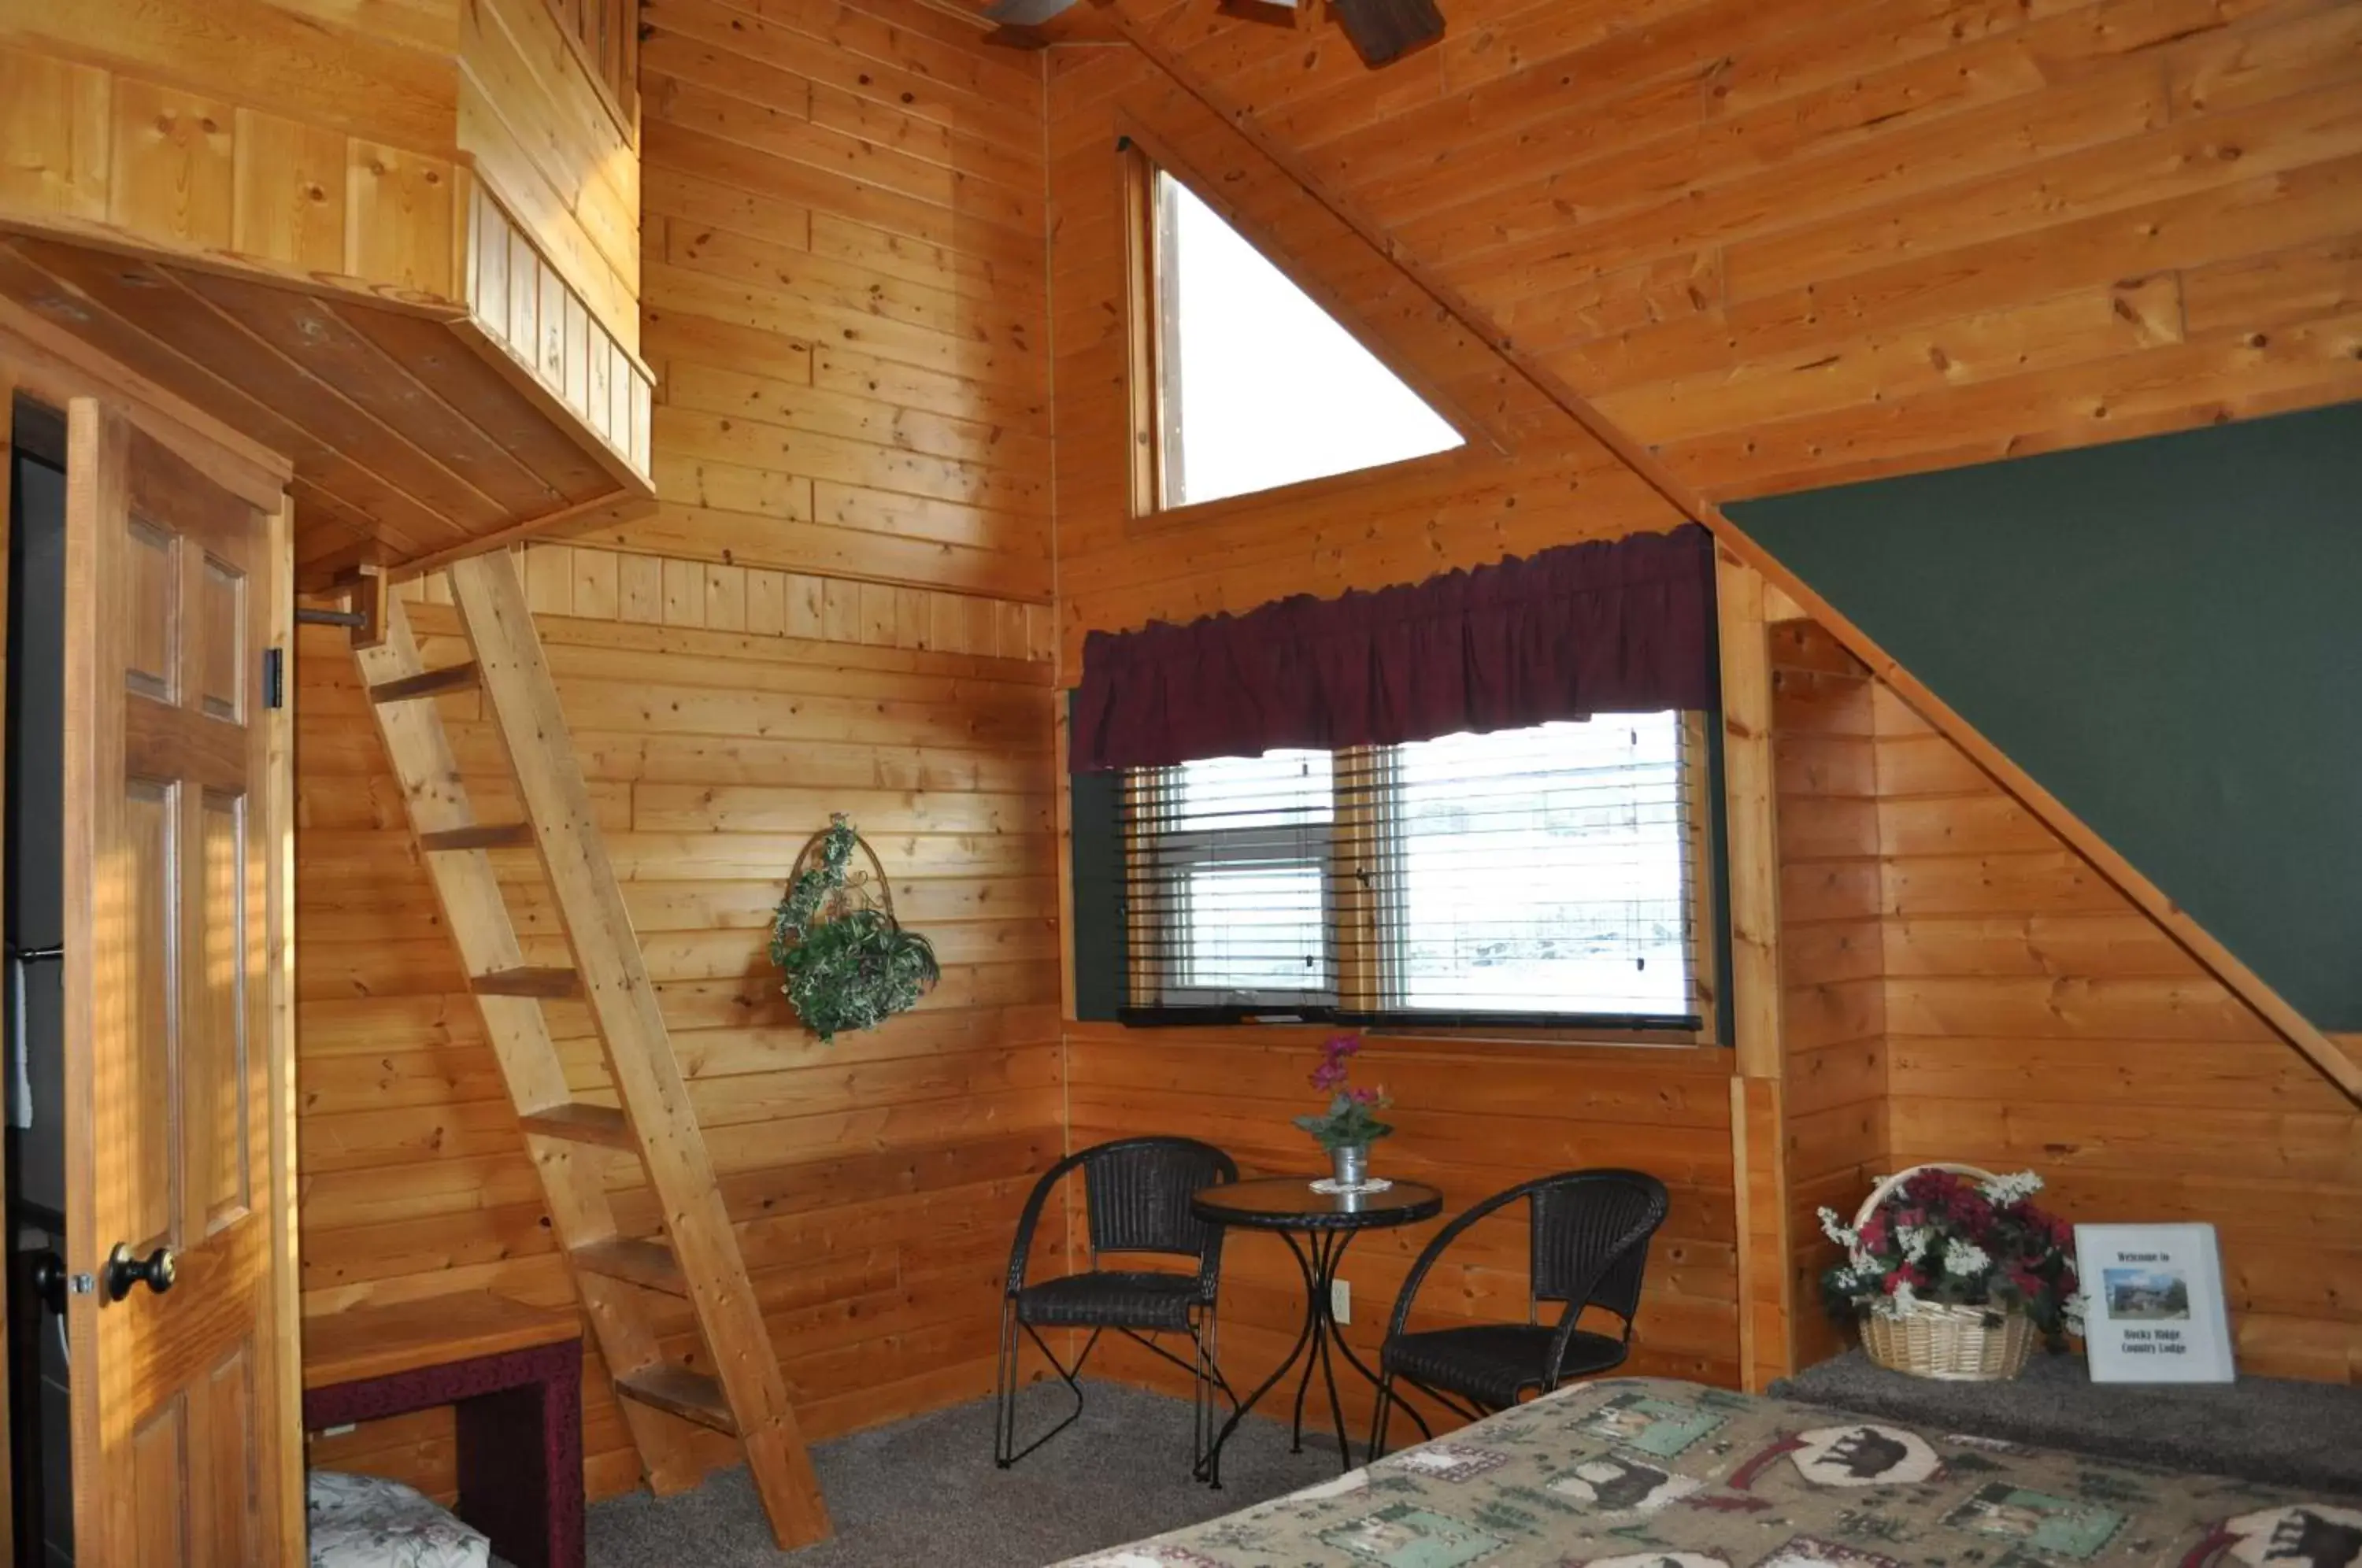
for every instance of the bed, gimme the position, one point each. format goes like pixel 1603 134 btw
pixel 1638 1473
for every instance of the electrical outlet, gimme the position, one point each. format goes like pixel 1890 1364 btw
pixel 1340 1300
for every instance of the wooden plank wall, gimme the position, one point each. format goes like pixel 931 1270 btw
pixel 557 148
pixel 844 299
pixel 1791 242
pixel 1831 950
pixel 263 150
pixel 2035 1018
pixel 1473 1118
pixel 1527 478
pixel 875 1183
pixel 843 603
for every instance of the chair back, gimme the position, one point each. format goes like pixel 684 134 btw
pixel 1138 1189
pixel 1591 1231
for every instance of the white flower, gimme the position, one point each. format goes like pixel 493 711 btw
pixel 2072 1309
pixel 1899 1303
pixel 1964 1258
pixel 1915 1240
pixel 2012 1188
pixel 1847 1239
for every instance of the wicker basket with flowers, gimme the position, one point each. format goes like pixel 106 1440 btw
pixel 1952 1271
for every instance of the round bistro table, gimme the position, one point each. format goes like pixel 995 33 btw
pixel 1328 1223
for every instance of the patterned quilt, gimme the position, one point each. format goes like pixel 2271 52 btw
pixel 1636 1473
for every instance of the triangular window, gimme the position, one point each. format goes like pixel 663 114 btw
pixel 1256 385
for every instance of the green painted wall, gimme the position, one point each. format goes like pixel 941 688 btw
pixel 2166 634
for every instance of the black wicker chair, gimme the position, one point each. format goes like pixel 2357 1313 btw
pixel 1590 1245
pixel 1137 1194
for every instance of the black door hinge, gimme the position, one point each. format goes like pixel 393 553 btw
pixel 274 677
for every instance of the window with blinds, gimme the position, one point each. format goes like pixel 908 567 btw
pixel 1537 878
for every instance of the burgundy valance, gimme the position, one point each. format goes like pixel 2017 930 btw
pixel 1611 626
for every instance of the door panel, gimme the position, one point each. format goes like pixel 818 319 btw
pixel 144 867
pixel 179 1394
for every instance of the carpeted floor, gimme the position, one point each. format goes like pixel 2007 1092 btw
pixel 2272 1429
pixel 925 1490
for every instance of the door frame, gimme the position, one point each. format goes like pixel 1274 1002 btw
pixel 46 365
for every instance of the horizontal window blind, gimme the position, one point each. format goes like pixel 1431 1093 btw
pixel 1227 882
pixel 1542 876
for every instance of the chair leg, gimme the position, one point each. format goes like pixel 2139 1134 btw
pixel 1005 1449
pixel 1378 1416
pixel 1004 1389
pixel 1199 1400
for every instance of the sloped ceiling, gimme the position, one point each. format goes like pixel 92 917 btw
pixel 1795 242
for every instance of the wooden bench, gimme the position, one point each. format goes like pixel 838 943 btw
pixel 512 1375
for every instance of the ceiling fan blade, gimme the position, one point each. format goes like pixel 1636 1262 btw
pixel 1385 31
pixel 1024 13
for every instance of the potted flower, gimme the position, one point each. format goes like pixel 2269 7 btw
pixel 1350 1125
pixel 1951 1272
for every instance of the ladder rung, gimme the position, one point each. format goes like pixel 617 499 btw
pixel 649 1265
pixel 483 835
pixel 691 1395
pixel 527 981
pixel 581 1125
pixel 454 678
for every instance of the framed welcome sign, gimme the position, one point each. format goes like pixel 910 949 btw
pixel 2154 1304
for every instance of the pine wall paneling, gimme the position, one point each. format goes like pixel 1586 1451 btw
pixel 274 209
pixel 1474 1117
pixel 1791 244
pixel 310 138
pixel 844 300
pixel 546 132
pixel 1527 478
pixel 2035 1018
pixel 840 604
pixel 875 1182
pixel 1471 1118
pixel 1834 1002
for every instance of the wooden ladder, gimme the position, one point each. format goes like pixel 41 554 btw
pixel 620 1277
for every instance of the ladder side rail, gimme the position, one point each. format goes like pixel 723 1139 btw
pixel 573 1178
pixel 522 698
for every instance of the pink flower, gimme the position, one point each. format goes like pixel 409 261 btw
pixel 1368 1096
pixel 1336 1053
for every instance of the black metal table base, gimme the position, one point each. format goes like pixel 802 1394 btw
pixel 1313 1345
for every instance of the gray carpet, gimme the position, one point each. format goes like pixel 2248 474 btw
pixel 924 1491
pixel 2304 1435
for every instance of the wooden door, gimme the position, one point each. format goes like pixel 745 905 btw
pixel 179 1393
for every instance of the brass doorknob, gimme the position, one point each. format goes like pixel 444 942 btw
pixel 157 1271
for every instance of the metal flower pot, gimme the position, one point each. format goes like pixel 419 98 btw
pixel 1351 1163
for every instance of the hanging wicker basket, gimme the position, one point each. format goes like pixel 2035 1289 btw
pixel 1957 1344
pixel 865 886
pixel 846 962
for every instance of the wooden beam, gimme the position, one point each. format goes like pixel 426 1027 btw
pixel 2335 1061
pixel 1757 1131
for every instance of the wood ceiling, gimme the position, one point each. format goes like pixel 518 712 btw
pixel 404 444
pixel 1789 243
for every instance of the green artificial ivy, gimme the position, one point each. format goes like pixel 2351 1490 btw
pixel 855 970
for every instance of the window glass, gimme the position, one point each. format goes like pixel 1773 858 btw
pixel 1543 870
pixel 1260 386
pixel 1536 874
pixel 1232 887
